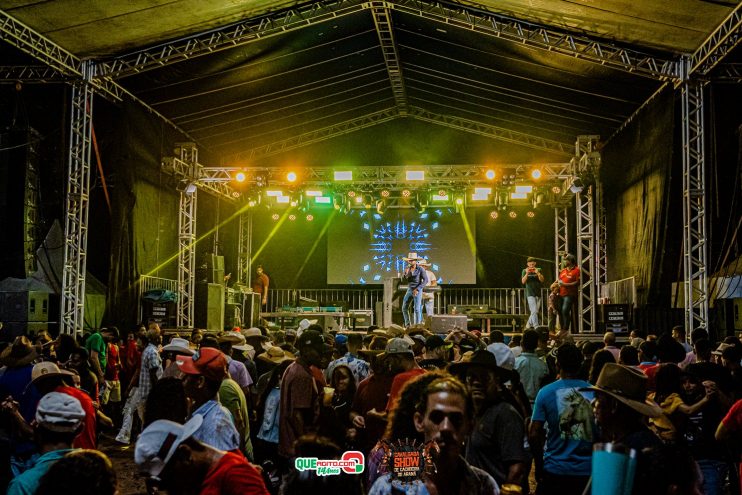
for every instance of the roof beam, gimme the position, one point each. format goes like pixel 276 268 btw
pixel 30 74
pixel 543 38
pixel 54 56
pixel 383 23
pixel 311 137
pixel 720 42
pixel 230 36
pixel 494 132
pixel 731 73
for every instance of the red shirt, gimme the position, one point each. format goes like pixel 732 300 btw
pixel 86 439
pixel 733 422
pixel 112 365
pixel 399 382
pixel 233 475
pixel 567 276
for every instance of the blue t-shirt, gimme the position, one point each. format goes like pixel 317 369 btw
pixel 570 427
pixel 28 482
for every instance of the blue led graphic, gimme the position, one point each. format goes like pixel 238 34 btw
pixel 393 240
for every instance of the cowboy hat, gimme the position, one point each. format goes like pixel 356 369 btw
pixel 179 345
pixel 276 355
pixel 627 385
pixel 412 257
pixel 482 358
pixel 47 369
pixel 20 353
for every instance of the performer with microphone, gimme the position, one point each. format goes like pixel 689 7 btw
pixel 416 279
pixel 532 278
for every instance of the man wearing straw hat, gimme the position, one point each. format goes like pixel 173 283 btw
pixel 416 279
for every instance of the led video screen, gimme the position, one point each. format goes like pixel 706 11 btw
pixel 365 248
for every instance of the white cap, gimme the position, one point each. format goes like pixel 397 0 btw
pixel 503 354
pixel 159 441
pixel 59 412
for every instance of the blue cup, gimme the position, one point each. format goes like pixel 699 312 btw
pixel 613 469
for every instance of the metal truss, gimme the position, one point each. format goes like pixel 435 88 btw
pixel 543 38
pixel 561 235
pixel 601 239
pixel 586 261
pixel 30 74
pixel 694 207
pixel 244 248
pixel 209 180
pixel 76 207
pixel 316 136
pixel 188 154
pixel 718 44
pixel 229 37
pixel 493 132
pixel 383 23
pixel 731 73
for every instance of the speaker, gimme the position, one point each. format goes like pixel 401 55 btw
pixel 250 309
pixel 215 269
pixel 447 323
pixel 209 307
pixel 360 319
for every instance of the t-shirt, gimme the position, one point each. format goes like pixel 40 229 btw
pixel 372 393
pixel 399 382
pixel 268 431
pixel 497 441
pixel 233 475
pixel 233 398
pixel 532 371
pixel 299 391
pixel 567 276
pixel 533 284
pixel 86 439
pixel 112 363
pixel 217 428
pixel 27 482
pixel 663 425
pixel 261 284
pixel 570 427
pixel 733 422
pixel 96 343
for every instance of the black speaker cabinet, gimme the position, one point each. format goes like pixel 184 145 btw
pixel 251 309
pixel 209 307
pixel 447 323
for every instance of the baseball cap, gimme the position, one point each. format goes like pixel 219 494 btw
pixel 341 339
pixel 436 341
pixel 207 361
pixel 398 346
pixel 503 354
pixel 159 441
pixel 47 369
pixel 59 412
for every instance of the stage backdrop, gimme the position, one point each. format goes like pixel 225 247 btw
pixel 365 248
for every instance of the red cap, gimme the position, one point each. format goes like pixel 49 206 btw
pixel 207 361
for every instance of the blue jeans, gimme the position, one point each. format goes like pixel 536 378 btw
pixel 429 306
pixel 414 314
pixel 568 303
pixel 714 473
pixel 533 304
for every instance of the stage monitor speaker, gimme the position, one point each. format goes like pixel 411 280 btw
pixel 465 309
pixel 209 307
pixel 447 323
pixel 360 319
pixel 251 309
pixel 216 269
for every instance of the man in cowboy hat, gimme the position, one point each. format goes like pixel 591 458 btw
pixel 429 297
pixel 229 341
pixel 496 442
pixel 416 279
pixel 564 408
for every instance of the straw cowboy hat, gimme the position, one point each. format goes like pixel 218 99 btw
pixel 412 257
pixel 628 386
pixel 276 355
pixel 179 345
pixel 482 358
pixel 20 353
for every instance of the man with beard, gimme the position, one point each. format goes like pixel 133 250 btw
pixel 496 442
pixel 444 416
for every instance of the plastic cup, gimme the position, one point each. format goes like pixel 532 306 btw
pixel 613 469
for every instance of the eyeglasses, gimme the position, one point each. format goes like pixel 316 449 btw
pixel 456 418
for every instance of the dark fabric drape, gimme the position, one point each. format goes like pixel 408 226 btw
pixel 635 172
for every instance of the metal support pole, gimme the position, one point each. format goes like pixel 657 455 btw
pixel 244 248
pixel 76 207
pixel 586 260
pixel 694 207
pixel 561 235
pixel 186 240
pixel 601 255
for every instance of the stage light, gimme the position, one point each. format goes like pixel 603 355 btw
pixel 190 188
pixel 415 175
pixel 481 193
pixel 275 216
pixel 312 193
pixel 536 173
pixel 283 199
pixel 385 193
pixel 518 195
pixel 406 193
pixel 310 218
pixel 368 201
pixel 273 193
pixel 556 189
pixel 338 200
pixel 459 201
pixel 577 186
pixel 292 217
pixel 323 200
pixel 341 175
pixel 441 196
pixel 524 189
pixel 490 174
pixel 494 215
pixel 240 177
pixel 235 194
pixel 291 177
pixel 512 214
pixel 351 194
pixel 359 199
pixel 251 203
pixel 380 207
pixel 531 214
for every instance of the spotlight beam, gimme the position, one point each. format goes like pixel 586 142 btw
pixel 314 247
pixel 272 233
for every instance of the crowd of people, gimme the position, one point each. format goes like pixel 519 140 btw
pixel 231 412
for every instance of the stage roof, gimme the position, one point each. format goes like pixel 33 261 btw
pixel 251 79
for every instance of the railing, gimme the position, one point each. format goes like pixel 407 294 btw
pixel 352 298
pixel 147 283
pixel 502 300
pixel 620 291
